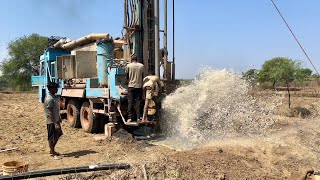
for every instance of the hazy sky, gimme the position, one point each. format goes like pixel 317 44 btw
pixel 221 34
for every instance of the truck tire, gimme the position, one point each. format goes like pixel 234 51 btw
pixel 88 120
pixel 73 115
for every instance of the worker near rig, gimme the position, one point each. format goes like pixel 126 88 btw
pixel 134 75
pixel 51 107
pixel 152 87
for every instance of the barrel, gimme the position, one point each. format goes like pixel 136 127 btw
pixel 105 53
pixel 14 167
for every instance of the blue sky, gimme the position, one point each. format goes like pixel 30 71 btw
pixel 230 34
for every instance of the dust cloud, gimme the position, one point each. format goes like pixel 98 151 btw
pixel 217 105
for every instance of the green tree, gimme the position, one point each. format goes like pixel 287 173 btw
pixel 3 83
pixel 281 70
pixel 23 60
pixel 304 73
pixel 316 76
pixel 251 75
pixel 268 70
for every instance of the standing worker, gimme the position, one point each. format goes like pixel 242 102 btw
pixel 152 86
pixel 51 106
pixel 134 74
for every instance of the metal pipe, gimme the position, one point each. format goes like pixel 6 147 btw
pixel 156 37
pixel 173 29
pixel 165 26
pixel 85 40
pixel 165 60
pixel 145 28
pixel 173 57
pixel 126 35
pixel 125 14
pixel 138 33
pixel 59 43
pixel 53 172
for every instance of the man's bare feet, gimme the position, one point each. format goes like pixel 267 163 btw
pixel 57 157
pixel 54 153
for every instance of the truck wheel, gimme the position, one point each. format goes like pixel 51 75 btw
pixel 88 120
pixel 73 114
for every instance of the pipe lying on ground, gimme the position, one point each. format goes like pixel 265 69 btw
pixel 53 172
pixel 10 149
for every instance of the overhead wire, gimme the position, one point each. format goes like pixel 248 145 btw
pixel 284 20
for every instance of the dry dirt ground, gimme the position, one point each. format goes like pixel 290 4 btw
pixel 284 154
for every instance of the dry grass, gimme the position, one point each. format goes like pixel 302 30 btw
pixel 283 154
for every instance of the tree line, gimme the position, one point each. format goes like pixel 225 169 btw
pixel 22 62
pixel 24 53
pixel 280 71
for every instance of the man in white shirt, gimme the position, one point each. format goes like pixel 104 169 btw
pixel 134 74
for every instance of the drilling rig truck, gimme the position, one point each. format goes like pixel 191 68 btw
pixel 91 70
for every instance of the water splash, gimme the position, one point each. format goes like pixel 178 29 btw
pixel 216 105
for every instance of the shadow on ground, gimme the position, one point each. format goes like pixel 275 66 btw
pixel 77 154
